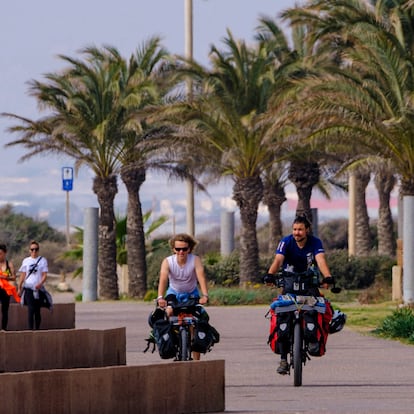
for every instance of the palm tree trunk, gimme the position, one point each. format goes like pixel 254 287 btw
pixel 133 178
pixel 105 189
pixel 274 197
pixel 304 175
pixel 363 237
pixel 385 182
pixel 248 192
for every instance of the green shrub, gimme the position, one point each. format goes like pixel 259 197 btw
pixel 358 272
pixel 253 295
pixel 151 295
pixel 334 234
pixel 399 325
pixel 223 272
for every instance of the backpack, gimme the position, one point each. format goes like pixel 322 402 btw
pixel 203 337
pixel 164 339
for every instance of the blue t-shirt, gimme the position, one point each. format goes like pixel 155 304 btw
pixel 299 259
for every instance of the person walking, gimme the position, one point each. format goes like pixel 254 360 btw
pixel 33 275
pixel 7 289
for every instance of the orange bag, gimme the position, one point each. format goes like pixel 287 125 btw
pixel 8 287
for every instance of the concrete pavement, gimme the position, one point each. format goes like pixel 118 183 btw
pixel 359 374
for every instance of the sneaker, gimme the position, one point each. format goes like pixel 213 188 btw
pixel 283 368
pixel 313 348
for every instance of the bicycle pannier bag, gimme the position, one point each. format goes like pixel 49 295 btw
pixel 316 329
pixel 203 337
pixel 164 338
pixel 279 329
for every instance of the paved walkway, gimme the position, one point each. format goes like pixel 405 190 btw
pixel 359 374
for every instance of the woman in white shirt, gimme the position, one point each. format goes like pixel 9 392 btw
pixel 33 274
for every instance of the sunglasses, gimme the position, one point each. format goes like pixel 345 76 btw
pixel 180 249
pixel 35 249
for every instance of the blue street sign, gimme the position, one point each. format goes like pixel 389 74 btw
pixel 67 178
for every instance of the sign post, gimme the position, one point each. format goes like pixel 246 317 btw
pixel 67 185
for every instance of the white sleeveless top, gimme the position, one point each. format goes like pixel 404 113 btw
pixel 182 279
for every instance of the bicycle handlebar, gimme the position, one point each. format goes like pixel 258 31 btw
pixel 278 280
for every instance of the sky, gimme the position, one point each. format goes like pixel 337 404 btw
pixel 33 33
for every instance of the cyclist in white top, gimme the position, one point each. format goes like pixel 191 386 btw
pixel 180 274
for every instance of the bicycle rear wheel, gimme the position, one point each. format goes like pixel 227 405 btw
pixel 297 355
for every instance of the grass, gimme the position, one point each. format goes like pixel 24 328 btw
pixel 362 317
pixel 366 318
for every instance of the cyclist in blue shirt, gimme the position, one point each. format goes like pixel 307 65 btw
pixel 297 253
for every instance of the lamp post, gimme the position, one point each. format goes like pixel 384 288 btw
pixel 188 51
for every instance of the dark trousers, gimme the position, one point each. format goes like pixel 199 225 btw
pixel 33 309
pixel 5 302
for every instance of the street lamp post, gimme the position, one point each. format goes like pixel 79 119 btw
pixel 188 40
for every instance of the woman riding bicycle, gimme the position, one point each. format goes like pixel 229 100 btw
pixel 297 253
pixel 181 272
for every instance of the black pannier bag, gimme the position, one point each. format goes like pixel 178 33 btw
pixel 164 339
pixel 203 338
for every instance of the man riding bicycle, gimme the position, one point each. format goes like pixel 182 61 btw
pixel 297 253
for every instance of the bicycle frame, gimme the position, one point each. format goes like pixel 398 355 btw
pixel 183 322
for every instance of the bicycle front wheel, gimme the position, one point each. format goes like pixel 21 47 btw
pixel 297 355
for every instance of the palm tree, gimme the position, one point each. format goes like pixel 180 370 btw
pixel 145 80
pixel 363 235
pixel 223 125
pixel 274 196
pixel 369 101
pixel 92 118
pixel 385 181
pixel 295 65
pixel 80 124
pixel 374 87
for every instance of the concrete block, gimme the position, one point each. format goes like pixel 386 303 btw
pixel 49 392
pixel 62 316
pixel 75 351
pixel 171 388
pixel 21 357
pixel 62 349
pixel 19 391
pixel 104 342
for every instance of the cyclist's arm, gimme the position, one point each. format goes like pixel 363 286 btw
pixel 323 267
pixel 277 263
pixel 322 264
pixel 163 282
pixel 202 280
